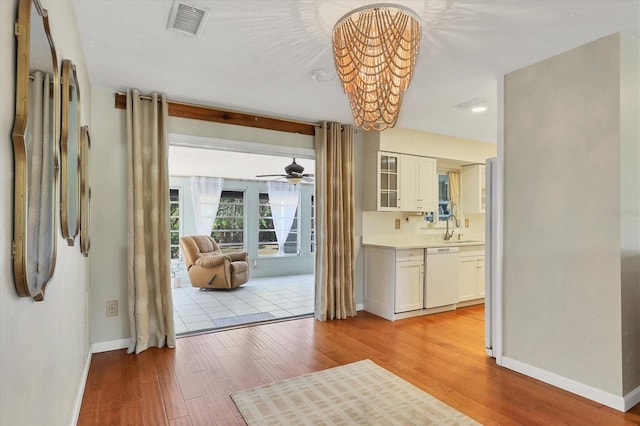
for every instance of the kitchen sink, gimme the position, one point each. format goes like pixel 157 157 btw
pixel 463 241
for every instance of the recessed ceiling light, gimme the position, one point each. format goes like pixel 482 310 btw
pixel 321 76
pixel 474 105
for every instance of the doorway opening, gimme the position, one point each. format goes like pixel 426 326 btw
pixel 248 216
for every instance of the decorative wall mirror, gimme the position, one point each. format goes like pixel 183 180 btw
pixel 85 191
pixel 35 137
pixel 70 153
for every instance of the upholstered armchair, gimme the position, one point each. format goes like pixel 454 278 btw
pixel 209 268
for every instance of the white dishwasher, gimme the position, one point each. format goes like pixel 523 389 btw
pixel 441 283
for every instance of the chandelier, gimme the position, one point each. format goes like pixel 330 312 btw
pixel 375 50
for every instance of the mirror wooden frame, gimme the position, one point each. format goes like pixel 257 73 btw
pixel 85 191
pixel 69 153
pixel 34 245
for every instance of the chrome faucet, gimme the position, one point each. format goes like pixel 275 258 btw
pixel 447 235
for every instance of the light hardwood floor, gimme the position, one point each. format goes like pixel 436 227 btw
pixel 442 354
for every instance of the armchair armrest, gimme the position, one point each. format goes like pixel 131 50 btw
pixel 211 261
pixel 240 255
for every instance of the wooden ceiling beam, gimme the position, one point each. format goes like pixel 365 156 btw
pixel 216 115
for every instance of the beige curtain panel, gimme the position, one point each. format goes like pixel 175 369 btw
pixel 150 300
pixel 454 192
pixel 335 288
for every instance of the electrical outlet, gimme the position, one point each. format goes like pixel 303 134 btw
pixel 112 308
pixel 466 223
pixel 397 223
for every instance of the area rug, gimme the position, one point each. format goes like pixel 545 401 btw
pixel 361 393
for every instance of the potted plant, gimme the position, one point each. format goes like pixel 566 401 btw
pixel 175 278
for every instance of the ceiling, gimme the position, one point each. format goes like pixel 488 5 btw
pixel 189 161
pixel 257 55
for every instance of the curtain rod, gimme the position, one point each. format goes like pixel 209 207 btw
pixel 208 113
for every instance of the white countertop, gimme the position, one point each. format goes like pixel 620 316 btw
pixel 416 241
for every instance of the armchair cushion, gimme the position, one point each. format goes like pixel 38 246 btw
pixel 211 261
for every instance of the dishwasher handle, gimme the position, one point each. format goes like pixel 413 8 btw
pixel 442 250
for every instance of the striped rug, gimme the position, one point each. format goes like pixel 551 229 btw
pixel 361 393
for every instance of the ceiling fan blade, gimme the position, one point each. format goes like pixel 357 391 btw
pixel 307 179
pixel 271 175
pixel 308 174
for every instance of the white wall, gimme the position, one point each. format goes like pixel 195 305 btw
pixel 566 176
pixel 44 349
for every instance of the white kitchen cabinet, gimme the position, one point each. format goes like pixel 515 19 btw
pixel 409 289
pixel 471 279
pixel 472 189
pixel 383 168
pixel 418 184
pixel 394 281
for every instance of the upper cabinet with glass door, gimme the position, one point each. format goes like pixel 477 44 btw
pixel 381 181
pixel 472 189
pixel 388 181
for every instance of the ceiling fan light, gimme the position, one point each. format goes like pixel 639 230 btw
pixel 294 179
pixel 375 49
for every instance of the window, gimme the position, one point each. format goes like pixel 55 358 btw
pixel 228 228
pixel 444 204
pixel 174 223
pixel 267 241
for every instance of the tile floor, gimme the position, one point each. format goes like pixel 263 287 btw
pixel 259 299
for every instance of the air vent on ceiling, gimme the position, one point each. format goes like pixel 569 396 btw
pixel 187 18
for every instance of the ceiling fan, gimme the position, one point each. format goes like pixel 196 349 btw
pixel 293 173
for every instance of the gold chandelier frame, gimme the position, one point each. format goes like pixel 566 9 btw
pixel 375 50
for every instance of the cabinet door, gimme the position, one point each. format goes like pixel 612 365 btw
pixel 409 286
pixel 467 284
pixel 418 184
pixel 409 183
pixel 428 191
pixel 388 181
pixel 480 275
pixel 472 189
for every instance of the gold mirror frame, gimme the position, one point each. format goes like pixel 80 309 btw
pixel 70 153
pixel 85 191
pixel 34 215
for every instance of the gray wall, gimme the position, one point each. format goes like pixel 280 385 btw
pixel 44 345
pixel 571 165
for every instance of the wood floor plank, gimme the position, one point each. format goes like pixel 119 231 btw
pixel 199 412
pixel 182 421
pixel 443 354
pixel 131 413
pixel 152 404
pixel 171 394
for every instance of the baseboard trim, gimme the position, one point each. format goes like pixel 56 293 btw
pixel 83 384
pixel 616 402
pixel 632 399
pixel 359 306
pixel 111 345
